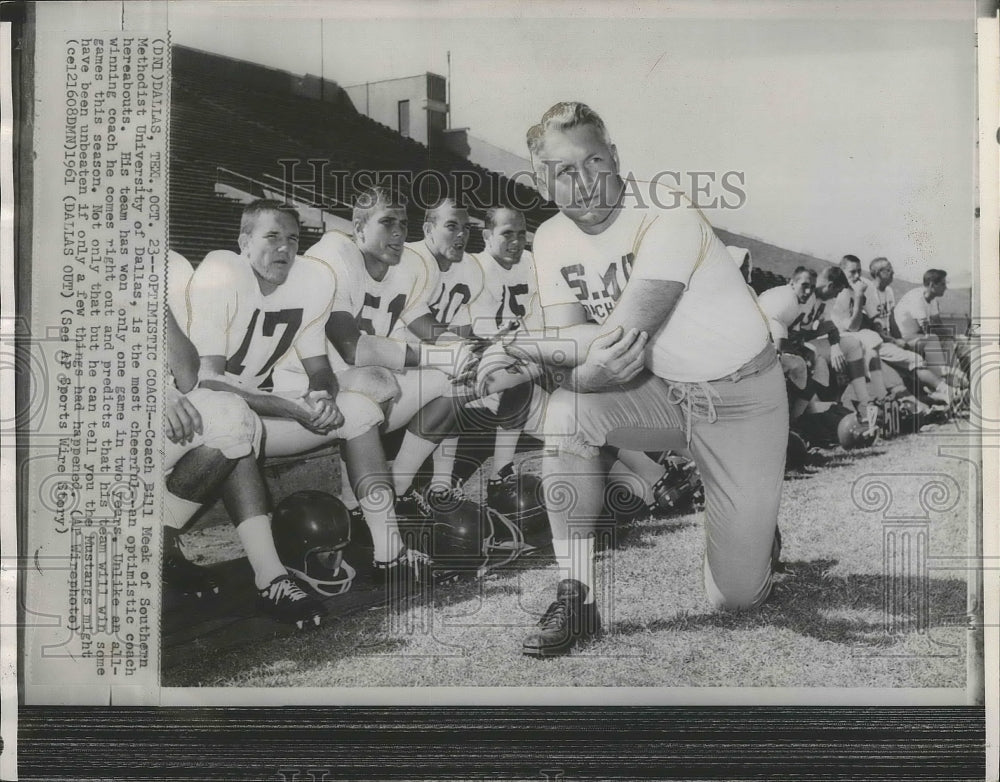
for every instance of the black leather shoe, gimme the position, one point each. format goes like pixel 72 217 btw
pixel 566 622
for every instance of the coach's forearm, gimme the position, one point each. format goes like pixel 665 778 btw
pixel 564 347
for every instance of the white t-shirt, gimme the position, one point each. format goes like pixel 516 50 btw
pixel 229 316
pixel 508 295
pixel 448 294
pixel 179 273
pixel 715 327
pixel 913 311
pixel 786 316
pixel 879 305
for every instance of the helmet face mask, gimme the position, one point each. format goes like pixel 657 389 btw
pixel 521 513
pixel 326 571
pixel 311 529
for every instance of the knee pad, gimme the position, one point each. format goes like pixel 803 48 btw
pixel 230 426
pixel 561 414
pixel 360 414
pixel 851 347
pixel 377 383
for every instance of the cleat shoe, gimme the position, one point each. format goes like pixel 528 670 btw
pixel 444 500
pixel 412 506
pixel 500 490
pixel 182 574
pixel 942 395
pixel 360 534
pixel 287 602
pixel 566 622
pixel 408 575
pixel 869 421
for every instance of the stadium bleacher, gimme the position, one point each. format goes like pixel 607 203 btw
pixel 247 119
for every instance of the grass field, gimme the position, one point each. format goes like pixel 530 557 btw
pixel 841 616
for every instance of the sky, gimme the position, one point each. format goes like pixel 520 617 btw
pixel 852 124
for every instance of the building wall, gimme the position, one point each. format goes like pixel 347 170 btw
pixel 380 101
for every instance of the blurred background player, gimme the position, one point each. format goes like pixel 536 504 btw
pixel 880 300
pixel 918 318
pixel 380 318
pixel 213 441
pixel 246 312
pixel 796 313
pixel 847 312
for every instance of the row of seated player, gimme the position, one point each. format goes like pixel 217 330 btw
pixel 840 344
pixel 359 337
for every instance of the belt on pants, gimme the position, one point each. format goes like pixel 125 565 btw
pixel 763 361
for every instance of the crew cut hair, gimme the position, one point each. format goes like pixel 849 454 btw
pixel 371 198
pixel 934 276
pixel 877 265
pixel 255 209
pixel 490 219
pixel 564 116
pixel 431 213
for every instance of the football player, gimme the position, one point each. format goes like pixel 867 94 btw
pixel 454 278
pixel 880 299
pixel 918 318
pixel 380 318
pixel 799 327
pixel 848 314
pixel 247 312
pixel 671 350
pixel 507 301
pixel 213 440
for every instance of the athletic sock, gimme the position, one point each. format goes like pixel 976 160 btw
pixel 177 511
pixel 504 448
pixel 581 555
pixel 575 558
pixel 346 492
pixel 258 542
pixel 381 520
pixel 444 463
pixel 412 453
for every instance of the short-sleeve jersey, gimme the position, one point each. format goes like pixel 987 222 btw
pixel 879 305
pixel 507 296
pixel 787 317
pixel 715 327
pixel 841 312
pixel 179 273
pixel 913 311
pixel 380 307
pixel 449 293
pixel 230 316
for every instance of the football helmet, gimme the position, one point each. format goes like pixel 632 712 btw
pixel 852 433
pixel 471 538
pixel 311 529
pixel 519 499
